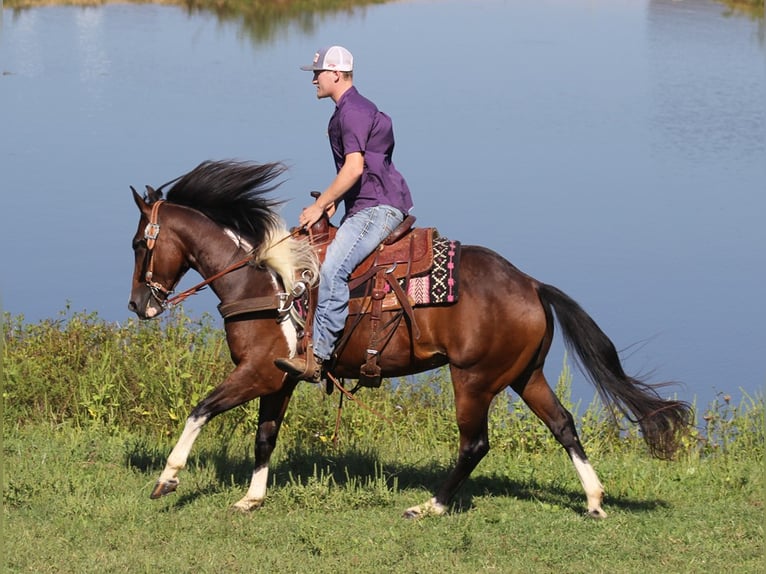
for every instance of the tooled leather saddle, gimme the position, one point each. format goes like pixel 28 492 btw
pixel 379 284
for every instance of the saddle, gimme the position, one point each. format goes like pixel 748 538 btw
pixel 379 284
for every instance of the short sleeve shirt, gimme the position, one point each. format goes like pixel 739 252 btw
pixel 358 126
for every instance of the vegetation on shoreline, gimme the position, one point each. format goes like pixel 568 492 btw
pixel 78 369
pixel 259 20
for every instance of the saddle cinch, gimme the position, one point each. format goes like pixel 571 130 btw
pixel 379 284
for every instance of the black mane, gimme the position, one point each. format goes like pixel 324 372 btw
pixel 231 193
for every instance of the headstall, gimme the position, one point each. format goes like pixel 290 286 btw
pixel 151 232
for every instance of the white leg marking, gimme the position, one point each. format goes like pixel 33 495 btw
pixel 180 453
pixel 594 490
pixel 287 325
pixel 257 491
pixel 291 335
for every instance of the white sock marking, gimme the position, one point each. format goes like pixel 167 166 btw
pixel 592 486
pixel 258 483
pixel 180 453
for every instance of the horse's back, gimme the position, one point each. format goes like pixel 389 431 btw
pixel 499 312
pixel 498 318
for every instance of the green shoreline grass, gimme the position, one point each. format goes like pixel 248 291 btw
pixel 91 410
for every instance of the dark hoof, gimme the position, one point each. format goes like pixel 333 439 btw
pixel 163 488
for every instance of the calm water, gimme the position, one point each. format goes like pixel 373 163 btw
pixel 616 149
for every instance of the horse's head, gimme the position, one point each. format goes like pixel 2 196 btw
pixel 160 261
pixel 217 208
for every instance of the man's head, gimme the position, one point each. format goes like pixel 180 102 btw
pixel 333 69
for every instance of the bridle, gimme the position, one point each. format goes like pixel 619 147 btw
pixel 163 295
pixel 151 232
pixel 158 291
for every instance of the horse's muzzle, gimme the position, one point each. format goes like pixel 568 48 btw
pixel 145 307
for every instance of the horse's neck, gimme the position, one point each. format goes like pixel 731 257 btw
pixel 211 249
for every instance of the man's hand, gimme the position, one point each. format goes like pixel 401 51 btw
pixel 349 174
pixel 313 213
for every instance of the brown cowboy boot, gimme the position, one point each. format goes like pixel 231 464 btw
pixel 306 368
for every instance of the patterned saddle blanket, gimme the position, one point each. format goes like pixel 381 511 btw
pixel 433 279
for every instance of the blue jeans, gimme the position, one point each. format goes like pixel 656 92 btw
pixel 357 237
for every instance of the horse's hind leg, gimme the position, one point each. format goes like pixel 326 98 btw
pixel 537 394
pixel 472 419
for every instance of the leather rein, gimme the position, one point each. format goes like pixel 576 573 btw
pixel 159 292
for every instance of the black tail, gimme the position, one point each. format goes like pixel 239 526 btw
pixel 661 421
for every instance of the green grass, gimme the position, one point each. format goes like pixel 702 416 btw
pixel 91 411
pixel 77 501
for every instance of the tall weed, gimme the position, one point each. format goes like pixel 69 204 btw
pixel 149 375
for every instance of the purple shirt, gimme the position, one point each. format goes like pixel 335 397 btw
pixel 358 126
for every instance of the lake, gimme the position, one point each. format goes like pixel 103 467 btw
pixel 615 149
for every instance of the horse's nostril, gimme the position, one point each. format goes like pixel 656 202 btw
pixel 132 306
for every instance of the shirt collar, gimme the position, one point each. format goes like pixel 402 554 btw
pixel 345 96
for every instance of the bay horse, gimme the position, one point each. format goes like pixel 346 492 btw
pixel 221 212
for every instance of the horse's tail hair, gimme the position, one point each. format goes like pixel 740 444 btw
pixel 662 421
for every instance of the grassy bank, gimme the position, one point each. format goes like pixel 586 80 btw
pixel 91 410
pixel 77 501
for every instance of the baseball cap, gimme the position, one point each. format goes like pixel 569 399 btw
pixel 335 58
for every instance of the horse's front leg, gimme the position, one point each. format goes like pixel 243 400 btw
pixel 237 389
pixel 168 480
pixel 271 413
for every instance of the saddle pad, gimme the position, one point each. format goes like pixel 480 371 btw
pixel 439 285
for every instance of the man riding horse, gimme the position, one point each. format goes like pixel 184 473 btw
pixel 375 195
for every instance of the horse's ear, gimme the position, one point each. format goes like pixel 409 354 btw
pixel 140 201
pixel 152 195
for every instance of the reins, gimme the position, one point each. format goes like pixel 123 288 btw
pixel 176 299
pixel 152 231
pixel 352 397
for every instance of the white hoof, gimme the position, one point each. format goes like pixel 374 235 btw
pixel 247 505
pixel 430 508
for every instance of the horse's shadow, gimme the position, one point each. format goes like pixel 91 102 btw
pixel 363 467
